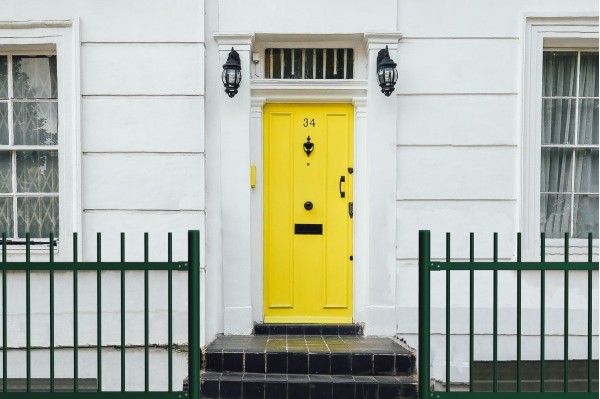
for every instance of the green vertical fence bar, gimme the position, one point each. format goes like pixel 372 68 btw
pixel 542 313
pixel 471 310
pixel 424 310
pixel 123 314
pixel 518 314
pixel 28 308
pixel 4 321
pixel 566 316
pixel 495 311
pixel 448 314
pixel 170 309
pixel 75 319
pixel 99 310
pixel 589 316
pixel 194 313
pixel 52 387
pixel 146 320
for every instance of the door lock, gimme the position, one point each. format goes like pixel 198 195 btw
pixel 308 205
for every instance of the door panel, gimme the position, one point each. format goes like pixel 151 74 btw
pixel 281 278
pixel 308 271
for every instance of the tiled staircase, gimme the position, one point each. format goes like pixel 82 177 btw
pixel 307 361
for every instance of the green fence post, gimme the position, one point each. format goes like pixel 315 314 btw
pixel 4 320
pixel 99 309
pixel 75 319
pixel 170 309
pixel 51 313
pixel 424 302
pixel 123 314
pixel 589 315
pixel 194 313
pixel 448 321
pixel 471 313
pixel 28 309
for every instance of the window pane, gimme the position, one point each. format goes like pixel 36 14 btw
pixel 318 58
pixel 586 171
pixel 350 64
pixel 35 123
pixel 555 215
pixel 34 77
pixel 558 121
pixel 560 70
pixel 296 63
pixel 588 79
pixel 37 171
pixel 6 216
pixel 287 63
pixel 5 172
pixel 329 65
pixel 4 77
pixel 38 216
pixel 556 170
pixel 588 122
pixel 276 71
pixel 308 64
pixel 586 216
pixel 3 123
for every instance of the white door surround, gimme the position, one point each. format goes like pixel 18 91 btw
pixel 374 186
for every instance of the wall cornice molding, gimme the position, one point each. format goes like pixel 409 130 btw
pixel 376 40
pixel 37 24
pixel 234 39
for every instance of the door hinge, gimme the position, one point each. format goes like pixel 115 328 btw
pixel 351 209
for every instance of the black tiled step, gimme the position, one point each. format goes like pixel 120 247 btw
pixel 309 329
pixel 306 386
pixel 309 355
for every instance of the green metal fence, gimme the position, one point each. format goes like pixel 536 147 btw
pixel 192 266
pixel 427 266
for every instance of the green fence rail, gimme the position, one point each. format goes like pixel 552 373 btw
pixel 191 266
pixel 427 266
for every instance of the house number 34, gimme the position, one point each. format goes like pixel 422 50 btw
pixel 307 122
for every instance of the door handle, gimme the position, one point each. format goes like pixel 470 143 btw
pixel 342 180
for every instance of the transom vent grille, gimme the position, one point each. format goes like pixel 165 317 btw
pixel 309 63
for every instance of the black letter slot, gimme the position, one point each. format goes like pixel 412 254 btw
pixel 308 229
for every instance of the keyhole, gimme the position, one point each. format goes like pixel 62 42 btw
pixel 308 205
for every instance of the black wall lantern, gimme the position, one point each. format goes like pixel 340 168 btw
pixel 387 74
pixel 232 73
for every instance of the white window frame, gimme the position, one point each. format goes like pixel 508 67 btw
pixel 544 33
pixel 62 38
pixel 265 41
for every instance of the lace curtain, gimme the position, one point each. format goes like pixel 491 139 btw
pixel 569 170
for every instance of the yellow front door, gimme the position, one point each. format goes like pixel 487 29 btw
pixel 308 160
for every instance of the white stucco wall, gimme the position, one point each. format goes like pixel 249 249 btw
pixel 460 109
pixel 140 168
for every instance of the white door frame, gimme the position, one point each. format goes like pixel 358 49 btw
pixel 351 91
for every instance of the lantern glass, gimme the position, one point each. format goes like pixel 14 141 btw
pixel 387 76
pixel 231 76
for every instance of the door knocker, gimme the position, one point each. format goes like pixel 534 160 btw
pixel 308 147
